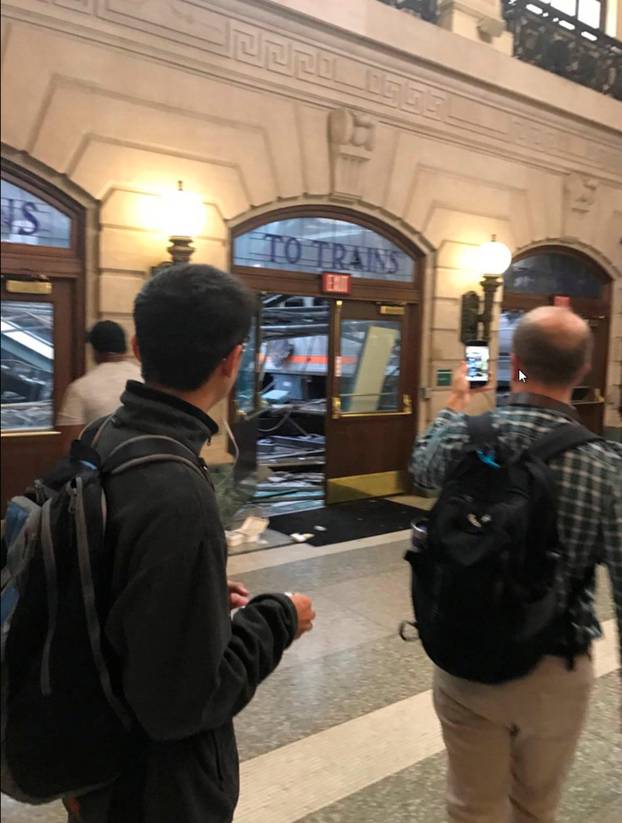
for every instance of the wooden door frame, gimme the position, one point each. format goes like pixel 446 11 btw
pixel 22 261
pixel 354 485
pixel 308 284
pixel 65 269
pixel 368 290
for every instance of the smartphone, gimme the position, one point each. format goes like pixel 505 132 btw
pixel 478 363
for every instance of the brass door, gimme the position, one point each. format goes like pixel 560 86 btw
pixel 370 422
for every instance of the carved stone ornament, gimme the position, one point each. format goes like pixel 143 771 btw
pixel 352 138
pixel 580 192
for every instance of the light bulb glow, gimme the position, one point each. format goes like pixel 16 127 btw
pixel 180 213
pixel 494 257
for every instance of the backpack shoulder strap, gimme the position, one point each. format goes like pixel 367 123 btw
pixel 481 431
pixel 559 440
pixel 84 448
pixel 150 448
pixel 91 433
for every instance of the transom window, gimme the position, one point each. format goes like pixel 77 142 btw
pixel 323 244
pixel 551 274
pixel 29 220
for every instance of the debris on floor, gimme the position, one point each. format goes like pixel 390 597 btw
pixel 300 538
pixel 249 532
pixel 284 452
pixel 284 491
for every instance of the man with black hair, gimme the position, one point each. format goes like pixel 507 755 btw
pixel 185 667
pixel 98 392
pixel 510 744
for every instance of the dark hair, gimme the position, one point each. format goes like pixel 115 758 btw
pixel 188 319
pixel 549 356
pixel 107 337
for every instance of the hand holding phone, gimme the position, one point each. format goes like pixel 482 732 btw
pixel 462 389
pixel 477 356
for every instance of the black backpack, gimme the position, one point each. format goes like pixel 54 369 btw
pixel 485 582
pixel 65 726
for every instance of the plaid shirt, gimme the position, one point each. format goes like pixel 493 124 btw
pixel 589 495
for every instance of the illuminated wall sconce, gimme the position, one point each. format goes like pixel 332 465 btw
pixel 494 259
pixel 180 214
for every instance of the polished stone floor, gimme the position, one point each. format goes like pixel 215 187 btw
pixel 344 731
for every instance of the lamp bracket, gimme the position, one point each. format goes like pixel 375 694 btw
pixel 470 316
pixel 160 267
pixel 180 249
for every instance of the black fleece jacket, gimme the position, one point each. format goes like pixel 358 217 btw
pixel 187 667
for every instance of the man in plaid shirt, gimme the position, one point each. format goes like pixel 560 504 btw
pixel 510 745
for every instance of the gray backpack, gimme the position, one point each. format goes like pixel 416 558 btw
pixel 66 728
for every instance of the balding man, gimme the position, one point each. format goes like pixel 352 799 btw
pixel 511 744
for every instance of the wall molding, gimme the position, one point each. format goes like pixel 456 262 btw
pixel 282 54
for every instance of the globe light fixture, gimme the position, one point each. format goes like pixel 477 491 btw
pixel 180 215
pixel 494 257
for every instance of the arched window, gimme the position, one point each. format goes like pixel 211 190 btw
pixel 42 336
pixel 29 220
pixel 321 242
pixel 554 273
pixel 564 277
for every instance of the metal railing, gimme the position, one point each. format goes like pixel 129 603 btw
pixel 562 44
pixel 425 9
pixel 546 37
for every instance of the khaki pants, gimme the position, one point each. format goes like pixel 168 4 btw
pixel 511 745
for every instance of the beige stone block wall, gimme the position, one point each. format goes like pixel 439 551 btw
pixel 117 292
pixel 463 16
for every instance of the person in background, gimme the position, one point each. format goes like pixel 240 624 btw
pixel 510 745
pixel 98 392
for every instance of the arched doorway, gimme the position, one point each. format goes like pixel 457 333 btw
pixel 42 320
pixel 555 275
pixel 329 383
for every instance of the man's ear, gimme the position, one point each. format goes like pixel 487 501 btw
pixel 230 364
pixel 135 348
pixel 585 370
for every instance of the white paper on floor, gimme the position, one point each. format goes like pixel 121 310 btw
pixel 249 532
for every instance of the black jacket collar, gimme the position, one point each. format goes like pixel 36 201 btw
pixel 156 412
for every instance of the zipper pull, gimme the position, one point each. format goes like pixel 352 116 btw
pixel 73 496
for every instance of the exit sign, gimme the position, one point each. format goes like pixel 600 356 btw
pixel 333 283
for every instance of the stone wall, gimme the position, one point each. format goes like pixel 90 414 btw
pixel 125 97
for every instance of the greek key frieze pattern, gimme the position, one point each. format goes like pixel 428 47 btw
pixel 250 45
